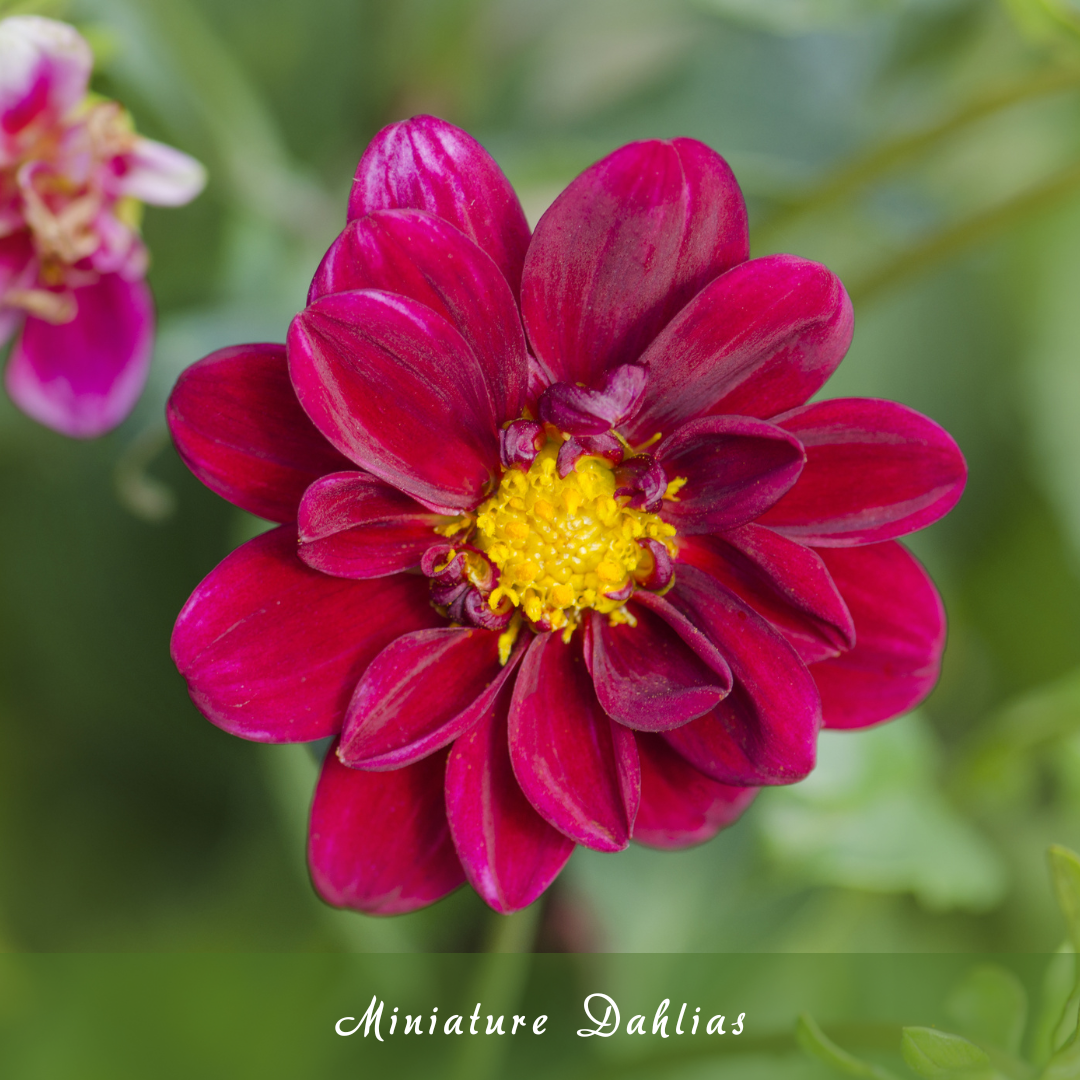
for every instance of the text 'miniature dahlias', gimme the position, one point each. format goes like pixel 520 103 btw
pixel 73 176
pixel 564 557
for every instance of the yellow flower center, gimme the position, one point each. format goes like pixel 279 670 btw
pixel 564 545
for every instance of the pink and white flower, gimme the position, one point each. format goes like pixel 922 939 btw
pixel 73 173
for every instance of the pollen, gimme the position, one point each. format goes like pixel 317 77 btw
pixel 565 545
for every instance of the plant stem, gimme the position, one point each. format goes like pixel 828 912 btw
pixel 862 170
pixel 956 238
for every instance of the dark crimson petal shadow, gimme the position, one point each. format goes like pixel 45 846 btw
pixel 757 341
pixel 622 249
pixel 420 693
pixel 379 841
pixel 397 390
pixel 875 470
pixel 900 636
pixel 509 852
pixel 427 164
pixel 426 259
pixel 272 650
pixel 680 806
pixel 765 730
pixel 785 583
pixel 353 525
pixel 83 377
pixel 239 428
pixel 575 765
pixel 646 677
pixel 735 468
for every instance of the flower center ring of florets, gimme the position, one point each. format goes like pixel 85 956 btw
pixel 571 527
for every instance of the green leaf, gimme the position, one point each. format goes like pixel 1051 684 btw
pixel 1065 1064
pixel 1055 1018
pixel 990 1005
pixel 1065 868
pixel 938 1054
pixel 817 1044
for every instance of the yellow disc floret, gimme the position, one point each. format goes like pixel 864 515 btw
pixel 563 545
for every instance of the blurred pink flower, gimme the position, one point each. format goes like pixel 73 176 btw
pixel 73 173
pixel 566 558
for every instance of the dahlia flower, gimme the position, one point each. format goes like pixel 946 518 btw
pixel 73 175
pixel 564 557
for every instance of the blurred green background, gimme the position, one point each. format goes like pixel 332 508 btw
pixel 927 150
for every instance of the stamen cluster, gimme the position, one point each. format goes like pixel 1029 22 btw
pixel 564 544
pixel 573 526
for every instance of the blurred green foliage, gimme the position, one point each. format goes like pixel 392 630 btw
pixel 990 1006
pixel 927 150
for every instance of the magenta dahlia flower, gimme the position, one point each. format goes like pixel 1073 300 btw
pixel 564 557
pixel 73 176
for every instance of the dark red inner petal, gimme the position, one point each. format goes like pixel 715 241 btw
pixel 645 676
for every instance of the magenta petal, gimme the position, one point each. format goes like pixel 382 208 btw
pixel 83 377
pixel 237 425
pixel 352 525
pixel 426 259
pixel 757 341
pixel 380 841
pixel 874 470
pixel 420 693
pixel 397 390
pixel 679 805
pixel 735 468
pixel 272 650
pixel 765 730
pixel 900 636
pixel 510 853
pixel 575 765
pixel 160 175
pixel 427 164
pixel 44 71
pixel 784 582
pixel 622 249
pixel 646 676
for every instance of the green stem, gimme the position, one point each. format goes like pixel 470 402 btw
pixel 501 975
pixel 860 172
pixel 514 933
pixel 956 238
